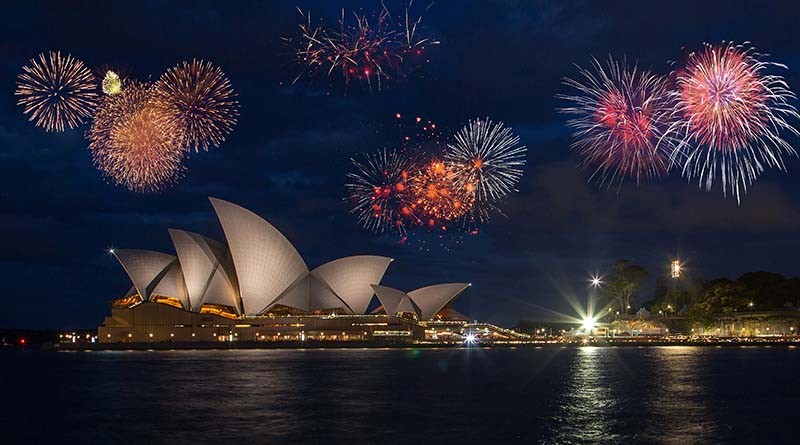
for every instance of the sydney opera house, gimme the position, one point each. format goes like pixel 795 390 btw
pixel 257 287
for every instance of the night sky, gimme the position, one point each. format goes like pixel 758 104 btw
pixel 289 154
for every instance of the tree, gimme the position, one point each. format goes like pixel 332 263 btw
pixel 623 284
pixel 722 296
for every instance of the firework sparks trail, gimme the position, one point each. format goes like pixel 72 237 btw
pixel 132 144
pixel 487 161
pixel 198 98
pixel 58 91
pixel 378 190
pixel 432 185
pixel 368 50
pixel 620 115
pixel 729 117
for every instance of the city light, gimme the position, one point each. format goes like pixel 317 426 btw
pixel 675 269
pixel 596 280
pixel 469 339
pixel 588 323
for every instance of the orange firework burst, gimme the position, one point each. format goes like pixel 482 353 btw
pixel 132 143
pixel 57 91
pixel 437 196
pixel 198 98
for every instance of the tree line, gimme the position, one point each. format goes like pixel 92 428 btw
pixel 697 298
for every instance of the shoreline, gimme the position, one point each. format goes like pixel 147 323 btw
pixel 89 347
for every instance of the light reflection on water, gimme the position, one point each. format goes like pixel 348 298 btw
pixel 670 395
pixel 586 409
pixel 677 398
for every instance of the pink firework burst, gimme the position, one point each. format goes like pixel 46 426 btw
pixel 619 114
pixel 729 117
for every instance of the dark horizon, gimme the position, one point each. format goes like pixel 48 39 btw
pixel 287 158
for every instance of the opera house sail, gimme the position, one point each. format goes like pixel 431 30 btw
pixel 255 286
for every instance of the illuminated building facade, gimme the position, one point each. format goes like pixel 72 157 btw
pixel 257 287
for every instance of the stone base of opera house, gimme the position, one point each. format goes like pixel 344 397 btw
pixel 148 324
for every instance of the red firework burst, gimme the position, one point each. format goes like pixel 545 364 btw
pixel 619 115
pixel 378 190
pixel 368 50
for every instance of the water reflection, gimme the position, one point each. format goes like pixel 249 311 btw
pixel 676 397
pixel 654 395
pixel 550 395
pixel 586 410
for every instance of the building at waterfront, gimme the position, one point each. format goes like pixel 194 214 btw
pixel 256 287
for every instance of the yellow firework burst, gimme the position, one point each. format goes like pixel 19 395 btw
pixel 112 84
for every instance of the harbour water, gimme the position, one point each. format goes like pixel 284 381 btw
pixel 670 395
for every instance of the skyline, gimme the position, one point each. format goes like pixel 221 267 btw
pixel 289 155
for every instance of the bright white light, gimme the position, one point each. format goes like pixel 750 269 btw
pixel 596 281
pixel 470 338
pixel 588 323
pixel 675 269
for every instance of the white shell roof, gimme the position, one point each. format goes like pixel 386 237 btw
pixel 260 267
pixel 430 300
pixel 172 285
pixel 351 278
pixel 393 300
pixel 207 279
pixel 144 268
pixel 266 262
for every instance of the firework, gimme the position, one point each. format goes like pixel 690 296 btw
pixel 619 115
pixel 729 117
pixel 132 144
pixel 378 190
pixel 487 160
pixel 111 84
pixel 438 198
pixel 58 91
pixel 367 50
pixel 198 98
